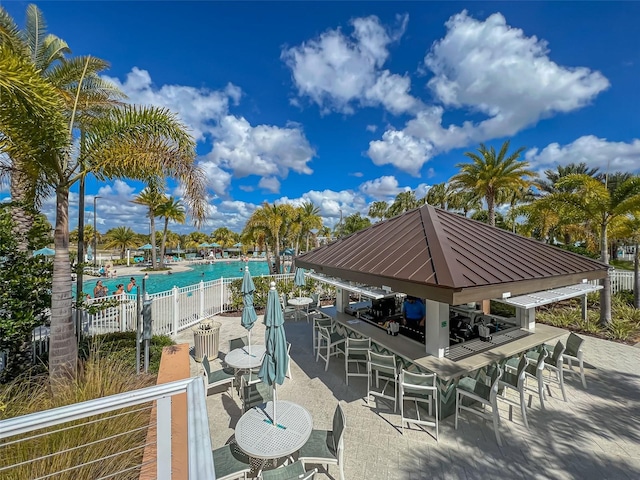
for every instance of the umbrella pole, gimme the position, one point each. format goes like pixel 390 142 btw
pixel 275 396
pixel 249 342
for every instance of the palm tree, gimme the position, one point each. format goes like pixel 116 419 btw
pixel 33 49
pixel 352 224
pixel 151 198
pixel 309 218
pixel 378 210
pixel 171 210
pixel 403 202
pixel 630 229
pixel 440 195
pixel 268 222
pixel 589 199
pixel 121 238
pixel 490 174
pixel 225 237
pixel 552 176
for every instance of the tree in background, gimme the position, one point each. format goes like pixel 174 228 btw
pixel 440 195
pixel 404 202
pixel 121 238
pixel 171 210
pixel 152 198
pixel 225 237
pixel 378 210
pixel 490 174
pixel 309 219
pixel 352 224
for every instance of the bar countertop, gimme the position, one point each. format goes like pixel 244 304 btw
pixel 445 368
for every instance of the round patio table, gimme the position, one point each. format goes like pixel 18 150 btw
pixel 241 359
pixel 259 438
pixel 299 303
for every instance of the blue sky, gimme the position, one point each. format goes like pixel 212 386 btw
pixel 343 104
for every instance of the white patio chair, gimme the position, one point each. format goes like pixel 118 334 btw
pixel 419 388
pixel 516 381
pixel 356 353
pixel 574 353
pixel 328 340
pixel 382 367
pixel 326 447
pixel 554 366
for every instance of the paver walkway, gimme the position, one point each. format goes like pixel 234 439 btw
pixel 595 435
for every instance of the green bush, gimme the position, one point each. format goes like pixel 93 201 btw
pixel 122 346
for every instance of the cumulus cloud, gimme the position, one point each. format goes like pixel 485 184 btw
pixel 382 188
pixel 338 71
pixel 239 149
pixel 487 68
pixel 372 128
pixel 271 184
pixel 594 151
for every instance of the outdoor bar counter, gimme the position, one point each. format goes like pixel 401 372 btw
pixel 447 370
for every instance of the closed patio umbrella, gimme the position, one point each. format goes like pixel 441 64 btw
pixel 276 361
pixel 299 280
pixel 248 312
pixel 47 252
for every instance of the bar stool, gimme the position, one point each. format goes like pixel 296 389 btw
pixel 356 354
pixel 554 364
pixel 574 352
pixel 321 321
pixel 385 367
pixel 329 339
pixel 419 388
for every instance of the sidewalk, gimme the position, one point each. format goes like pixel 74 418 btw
pixel 595 435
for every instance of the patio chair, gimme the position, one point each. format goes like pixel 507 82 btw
pixel 321 321
pixel 238 342
pixel 355 353
pixel 326 447
pixel 535 372
pixel 294 471
pixel 230 463
pixel 419 388
pixel 225 254
pixel 314 307
pixel 382 367
pixel 254 393
pixel 516 381
pixel 554 365
pixel 474 390
pixel 328 340
pixel 217 377
pixel 574 353
pixel 288 311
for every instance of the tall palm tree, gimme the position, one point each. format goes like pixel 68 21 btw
pixel 404 202
pixel 548 184
pixel 352 224
pixel 225 237
pixel 490 173
pixel 309 218
pixel 268 221
pixel 440 195
pixel 465 201
pixel 378 210
pixel 121 238
pixel 42 51
pixel 153 199
pixel 630 229
pixel 593 200
pixel 171 210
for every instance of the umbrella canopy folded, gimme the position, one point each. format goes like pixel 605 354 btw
pixel 47 252
pixel 299 280
pixel 276 361
pixel 248 312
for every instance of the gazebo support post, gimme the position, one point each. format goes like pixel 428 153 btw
pixel 584 307
pixel 437 328
pixel 342 299
pixel 526 318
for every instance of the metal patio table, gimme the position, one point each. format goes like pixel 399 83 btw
pixel 241 359
pixel 299 303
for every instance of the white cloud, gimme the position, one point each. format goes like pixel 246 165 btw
pixel 490 68
pixel 270 184
pixel 594 151
pixel 337 71
pixel 372 128
pixel 382 188
pixel 239 148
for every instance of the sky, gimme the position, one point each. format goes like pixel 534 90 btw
pixel 347 103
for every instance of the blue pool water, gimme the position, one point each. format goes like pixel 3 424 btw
pixel 160 282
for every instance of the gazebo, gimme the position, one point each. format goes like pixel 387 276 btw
pixel 448 259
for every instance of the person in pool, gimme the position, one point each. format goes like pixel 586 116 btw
pixel 132 283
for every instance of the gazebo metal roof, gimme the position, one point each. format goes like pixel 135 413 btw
pixel 440 255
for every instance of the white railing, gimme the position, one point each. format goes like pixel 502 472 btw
pixel 23 433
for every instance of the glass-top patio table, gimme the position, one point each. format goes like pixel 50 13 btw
pixel 300 303
pixel 259 438
pixel 241 359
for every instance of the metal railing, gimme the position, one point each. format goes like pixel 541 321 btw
pixel 24 439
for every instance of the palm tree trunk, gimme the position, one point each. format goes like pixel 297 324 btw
pixel 152 224
pixel 491 207
pixel 277 253
pixel 22 220
pixel 63 351
pixel 636 278
pixel 308 235
pixel 605 293
pixel 164 241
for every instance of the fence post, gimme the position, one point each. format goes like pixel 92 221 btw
pixel 201 300
pixel 123 313
pixel 176 310
pixel 222 294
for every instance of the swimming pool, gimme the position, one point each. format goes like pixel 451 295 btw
pixel 160 282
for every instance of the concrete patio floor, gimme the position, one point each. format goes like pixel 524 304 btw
pixel 595 435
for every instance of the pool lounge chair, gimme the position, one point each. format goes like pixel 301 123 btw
pixel 225 254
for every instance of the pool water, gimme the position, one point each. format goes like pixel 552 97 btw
pixel 160 282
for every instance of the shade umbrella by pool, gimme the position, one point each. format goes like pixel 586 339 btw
pixel 299 280
pixel 146 246
pixel 248 312
pixel 205 245
pixel 47 252
pixel 215 245
pixel 276 361
pixel 237 245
